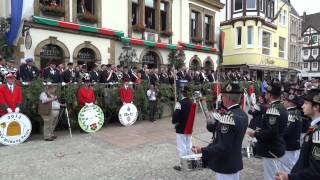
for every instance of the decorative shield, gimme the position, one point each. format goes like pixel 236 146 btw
pixel 15 128
pixel 91 118
pixel 128 114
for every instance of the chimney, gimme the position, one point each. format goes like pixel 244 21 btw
pixel 304 16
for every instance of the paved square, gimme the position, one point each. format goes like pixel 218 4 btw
pixel 144 151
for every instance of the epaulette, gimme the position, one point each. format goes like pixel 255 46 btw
pixel 177 106
pixel 316 137
pixel 273 111
pixel 227 119
pixel 216 116
pixel 292 118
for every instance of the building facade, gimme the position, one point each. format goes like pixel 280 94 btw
pixel 256 37
pixel 311 45
pixel 108 31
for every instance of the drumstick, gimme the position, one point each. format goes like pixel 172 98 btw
pixel 273 155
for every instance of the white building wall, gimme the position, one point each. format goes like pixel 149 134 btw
pixel 5 8
pixel 71 41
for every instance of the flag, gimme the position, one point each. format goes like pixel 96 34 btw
pixel 189 126
pixel 20 10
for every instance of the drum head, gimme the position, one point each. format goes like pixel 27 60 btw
pixel 128 114
pixel 91 118
pixel 15 128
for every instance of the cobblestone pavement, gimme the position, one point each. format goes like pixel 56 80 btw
pixel 144 151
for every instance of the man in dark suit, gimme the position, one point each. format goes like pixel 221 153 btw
pixel 94 74
pixel 69 75
pixel 210 76
pixel 51 73
pixel 28 71
pixel 125 74
pixel 154 77
pixel 133 74
pixel 224 154
pixel 143 72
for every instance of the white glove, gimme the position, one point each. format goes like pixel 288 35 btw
pixel 63 84
pixel 177 106
pixel 90 104
pixel 9 110
pixel 17 110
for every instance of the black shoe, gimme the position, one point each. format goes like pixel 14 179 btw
pixel 49 139
pixel 178 168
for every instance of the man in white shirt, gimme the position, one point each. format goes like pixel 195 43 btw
pixel 152 97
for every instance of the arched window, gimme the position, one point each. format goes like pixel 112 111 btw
pixel 151 59
pixel 51 53
pixel 86 56
pixel 194 64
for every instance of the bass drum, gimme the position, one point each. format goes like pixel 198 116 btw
pixel 128 114
pixel 91 118
pixel 15 128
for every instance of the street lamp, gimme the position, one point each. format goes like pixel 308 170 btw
pixel 128 54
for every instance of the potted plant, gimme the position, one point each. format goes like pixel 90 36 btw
pixel 166 33
pixel 138 28
pixel 53 10
pixel 87 17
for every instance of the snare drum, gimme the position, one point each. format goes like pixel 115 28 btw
pixel 191 162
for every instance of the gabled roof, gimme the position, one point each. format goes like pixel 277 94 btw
pixel 311 20
pixel 294 11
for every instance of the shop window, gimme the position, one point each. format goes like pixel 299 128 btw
pixel 164 15
pixel 237 5
pixel 150 14
pixel 266 43
pixel 135 12
pixel 251 4
pixel 282 47
pixel 194 23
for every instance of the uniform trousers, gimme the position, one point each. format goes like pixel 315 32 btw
pixel 234 176
pixel 270 167
pixel 184 144
pixel 289 160
pixel 49 123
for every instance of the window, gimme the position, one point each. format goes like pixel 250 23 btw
pixel 306 39
pixel 261 4
pixel 305 52
pixel 237 5
pixel 85 6
pixel 194 23
pixel 283 18
pixel 250 36
pixel 305 65
pixel 135 12
pixel 272 10
pixel 314 65
pixel 239 36
pixel 266 43
pixel 315 39
pixel 282 47
pixel 315 52
pixel 164 14
pixel 150 14
pixel 207 27
pixel 268 8
pixel 251 4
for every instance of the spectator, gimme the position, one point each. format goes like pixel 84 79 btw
pixel 28 71
pixel 152 97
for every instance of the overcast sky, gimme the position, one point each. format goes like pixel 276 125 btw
pixel 309 6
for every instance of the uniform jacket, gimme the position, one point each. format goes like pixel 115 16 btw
pixel 126 95
pixel 224 154
pixel 10 99
pixel 308 164
pixel 270 137
pixel 181 75
pixel 86 95
pixel 293 130
pixel 94 76
pixel 28 74
pixel 183 116
pixel 154 78
pixel 256 121
pixel 69 76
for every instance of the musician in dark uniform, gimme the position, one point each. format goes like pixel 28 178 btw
pixel 224 154
pixel 125 74
pixel 270 141
pixel 308 164
pixel 183 116
pixel 292 132
pixel 94 74
pixel 28 71
pixel 69 75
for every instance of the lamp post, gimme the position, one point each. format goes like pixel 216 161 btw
pixel 128 55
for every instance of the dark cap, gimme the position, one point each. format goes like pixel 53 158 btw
pixel 313 96
pixel 29 60
pixel 70 64
pixel 231 88
pixel 291 97
pixel 274 89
